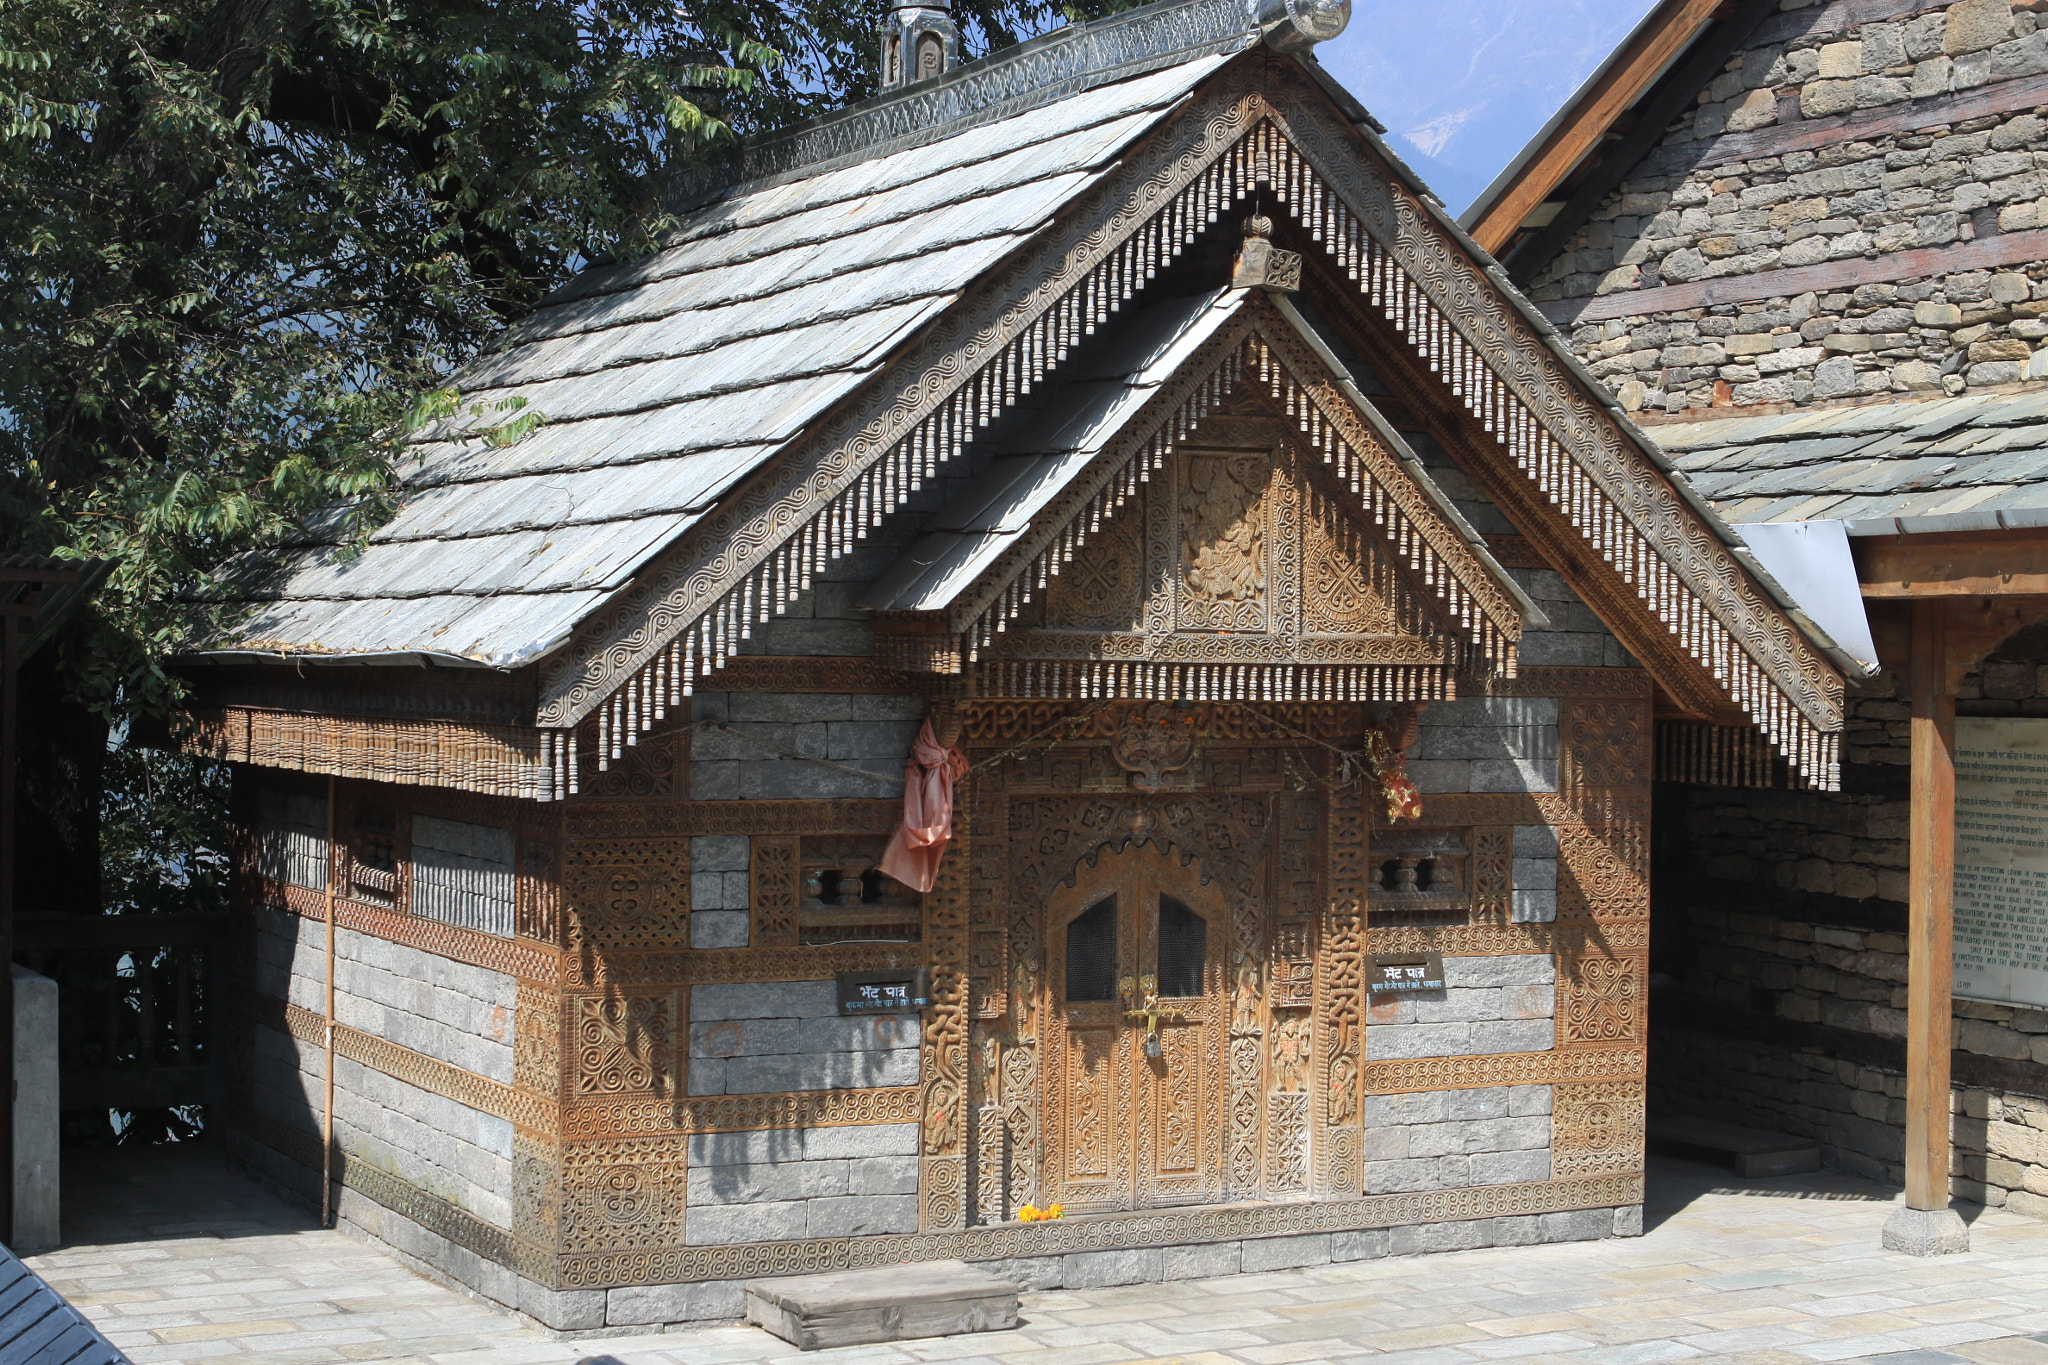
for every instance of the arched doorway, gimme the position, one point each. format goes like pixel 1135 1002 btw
pixel 1135 1035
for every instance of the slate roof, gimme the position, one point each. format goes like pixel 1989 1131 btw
pixel 38 1327
pixel 665 382
pixel 1978 462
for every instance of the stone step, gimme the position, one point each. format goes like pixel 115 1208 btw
pixel 895 1303
pixel 1755 1151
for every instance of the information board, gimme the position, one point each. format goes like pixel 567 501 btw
pixel 2001 889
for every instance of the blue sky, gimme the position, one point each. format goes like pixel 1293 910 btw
pixel 1461 85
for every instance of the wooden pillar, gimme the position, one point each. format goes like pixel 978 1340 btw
pixel 1926 1225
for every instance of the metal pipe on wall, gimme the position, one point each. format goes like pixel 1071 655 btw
pixel 327 1110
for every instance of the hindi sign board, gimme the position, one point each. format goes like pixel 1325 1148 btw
pixel 885 992
pixel 2001 886
pixel 1406 973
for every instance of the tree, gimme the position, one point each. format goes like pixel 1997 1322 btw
pixel 245 238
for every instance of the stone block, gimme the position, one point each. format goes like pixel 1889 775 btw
pixel 718 928
pixel 1518 774
pixel 769 1000
pixel 1508 1168
pixel 1393 1111
pixel 766 1183
pixel 565 1310
pixel 1102 1269
pixel 767 1075
pixel 1437 777
pixel 1514 969
pixel 722 1225
pixel 1535 841
pixel 850 1033
pixel 1515 1230
pixel 1534 874
pixel 1580 1225
pixel 1426 1237
pixel 873 1139
pixel 1925 1232
pixel 1974 25
pixel 896 1303
pixel 1400 1177
pixel 1839 60
pixel 1285 1253
pixel 1525 1100
pixel 1368 1245
pixel 861 1215
pixel 1031 1274
pixel 1628 1221
pixel 743 1038
pixel 1513 1035
pixel 757 1145
pixel 1397 1042
pixel 1485 1102
pixel 720 853
pixel 1200 1262
pixel 790 708
pixel 882 1175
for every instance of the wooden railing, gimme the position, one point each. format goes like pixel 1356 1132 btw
pixel 141 1001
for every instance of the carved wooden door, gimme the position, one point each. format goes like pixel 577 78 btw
pixel 1135 1114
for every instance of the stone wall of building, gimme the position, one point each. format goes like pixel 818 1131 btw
pixel 782 1036
pixel 759 745
pixel 1781 961
pixel 780 1183
pixel 1727 195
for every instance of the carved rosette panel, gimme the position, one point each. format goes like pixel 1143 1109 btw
pixel 1596 1128
pixel 625 1044
pixel 1340 990
pixel 627 894
pixel 1599 1000
pixel 942 1171
pixel 655 769
pixel 1604 744
pixel 1608 865
pixel 537 1196
pixel 622 1194
pixel 1101 589
pixel 776 872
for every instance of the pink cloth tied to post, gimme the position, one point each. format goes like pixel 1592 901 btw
pixel 920 840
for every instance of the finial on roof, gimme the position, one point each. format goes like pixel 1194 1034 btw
pixel 1260 264
pixel 1298 25
pixel 919 41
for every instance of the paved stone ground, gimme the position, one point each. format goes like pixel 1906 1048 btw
pixel 178 1258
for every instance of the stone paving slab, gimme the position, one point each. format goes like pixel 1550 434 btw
pixel 178 1258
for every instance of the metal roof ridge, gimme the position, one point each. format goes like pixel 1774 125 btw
pixel 1009 81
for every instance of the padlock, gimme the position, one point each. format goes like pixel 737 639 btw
pixel 1152 1046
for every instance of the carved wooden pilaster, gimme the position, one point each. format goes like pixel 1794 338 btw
pixel 942 1169
pixel 1340 995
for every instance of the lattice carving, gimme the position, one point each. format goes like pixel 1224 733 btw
pixel 626 1192
pixel 627 894
pixel 1604 744
pixel 740 1113
pixel 625 1044
pixel 942 1178
pixel 1596 1129
pixel 1511 1068
pixel 1340 988
pixel 1003 722
pixel 1599 1000
pixel 1287 1150
pixel 776 870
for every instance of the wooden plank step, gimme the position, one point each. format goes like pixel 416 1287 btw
pixel 895 1303
pixel 1756 1152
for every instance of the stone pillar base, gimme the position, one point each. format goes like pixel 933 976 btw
pixel 1925 1232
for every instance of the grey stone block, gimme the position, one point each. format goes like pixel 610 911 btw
pixel 1101 1269
pixel 874 1139
pixel 714 781
pixel 770 1000
pixel 1386 1144
pixel 853 740
pixel 647 1305
pixel 767 1182
pixel 1516 1230
pixel 1285 1253
pixel 882 1175
pixel 1201 1263
pixel 1535 841
pixel 565 1310
pixel 722 1225
pixel 1396 1042
pixel 1534 873
pixel 1533 907
pixel 1031 1274
pixel 1436 778
pixel 877 706
pixel 848 1033
pixel 790 707
pixel 1388 1111
pixel 754 1146
pixel 1371 1244
pixel 1580 1225
pixel 1514 969
pixel 1562 647
pixel 718 929
pixel 1628 1221
pixel 797 780
pixel 744 1038
pixel 1492 711
pixel 1464 1006
pixel 1508 1168
pixel 1436 1139
pixel 1426 1237
pixel 721 853
pixel 1400 1177
pixel 1524 1100
pixel 710 706
pixel 766 1075
pixel 1514 775
pixel 1486 1102
pixel 1513 1035
pixel 855 1070
pixel 862 1215
pixel 1925 1232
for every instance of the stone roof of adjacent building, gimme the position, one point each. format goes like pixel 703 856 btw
pixel 1975 462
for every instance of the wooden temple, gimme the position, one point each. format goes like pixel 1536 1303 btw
pixel 1122 409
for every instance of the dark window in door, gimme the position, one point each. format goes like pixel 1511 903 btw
pixel 1183 947
pixel 1091 953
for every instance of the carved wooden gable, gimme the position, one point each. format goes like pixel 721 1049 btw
pixel 1251 532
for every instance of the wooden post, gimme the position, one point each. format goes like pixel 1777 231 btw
pixel 1927 1226
pixel 327 1109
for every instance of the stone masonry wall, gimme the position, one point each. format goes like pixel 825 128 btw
pixel 1782 984
pixel 1450 1139
pixel 450 1011
pixel 789 1035
pixel 754 745
pixel 773 1184
pixel 1910 330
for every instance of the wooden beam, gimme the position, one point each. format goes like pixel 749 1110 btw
pixel 1953 564
pixel 1930 966
pixel 1619 86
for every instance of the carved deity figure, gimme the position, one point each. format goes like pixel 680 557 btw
pixel 1222 526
